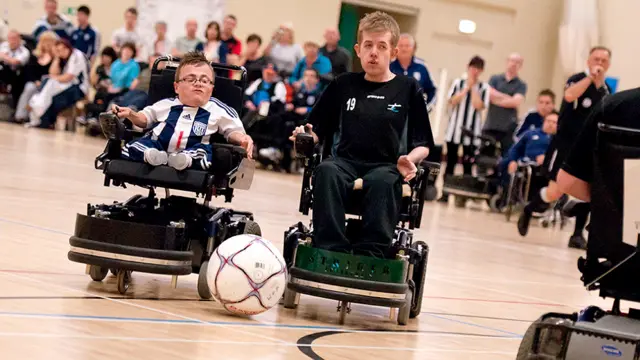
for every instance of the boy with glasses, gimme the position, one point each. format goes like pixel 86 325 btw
pixel 181 127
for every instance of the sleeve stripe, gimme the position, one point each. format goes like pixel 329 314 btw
pixel 229 110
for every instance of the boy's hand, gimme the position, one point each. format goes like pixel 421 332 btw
pixel 302 129
pixel 247 143
pixel 407 168
pixel 122 112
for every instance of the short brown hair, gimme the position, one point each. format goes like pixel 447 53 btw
pixel 600 47
pixel 549 93
pixel 379 22
pixel 193 58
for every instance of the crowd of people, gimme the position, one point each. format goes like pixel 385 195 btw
pixel 61 64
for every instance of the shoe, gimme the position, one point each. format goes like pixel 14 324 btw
pixel 179 161
pixel 523 223
pixel 155 157
pixel 578 242
pixel 271 153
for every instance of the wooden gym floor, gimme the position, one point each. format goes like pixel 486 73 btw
pixel 485 283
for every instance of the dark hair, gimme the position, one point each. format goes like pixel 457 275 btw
pixel 548 92
pixel 254 37
pixel 553 112
pixel 477 62
pixel 193 58
pixel 600 47
pixel 110 52
pixel 131 46
pixel 84 9
pixel 206 31
pixel 132 10
pixel 315 72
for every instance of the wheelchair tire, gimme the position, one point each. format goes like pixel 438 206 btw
pixel 526 344
pixel 419 275
pixel 252 227
pixel 431 193
pixel 405 311
pixel 460 201
pixel 203 285
pixel 98 273
pixel 547 341
pixel 290 299
pixel 124 279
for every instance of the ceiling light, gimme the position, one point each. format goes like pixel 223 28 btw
pixel 467 26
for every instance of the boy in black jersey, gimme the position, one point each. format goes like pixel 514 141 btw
pixel 382 131
pixel 583 92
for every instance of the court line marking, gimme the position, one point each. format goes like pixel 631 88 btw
pixel 501 281
pixel 137 305
pixel 254 343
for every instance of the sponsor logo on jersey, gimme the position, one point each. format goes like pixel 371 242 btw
pixel 394 107
pixel 379 97
pixel 199 128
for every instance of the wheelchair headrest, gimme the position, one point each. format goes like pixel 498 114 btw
pixel 226 89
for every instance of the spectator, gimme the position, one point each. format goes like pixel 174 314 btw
pixel 534 118
pixel 37 68
pixel 252 58
pixel 214 49
pixel 123 77
pixel 339 56
pixel 68 82
pixel 86 38
pixel 228 27
pixel 4 30
pixel 53 21
pixel 311 60
pixel 264 97
pixel 284 53
pixel 101 76
pixel 189 42
pixel 409 65
pixel 161 45
pixel 507 94
pixel 13 58
pixel 127 33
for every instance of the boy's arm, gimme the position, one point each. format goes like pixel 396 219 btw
pixel 420 135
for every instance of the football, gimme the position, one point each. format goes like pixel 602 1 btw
pixel 247 274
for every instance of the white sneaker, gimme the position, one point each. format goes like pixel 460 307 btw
pixel 155 157
pixel 179 161
pixel 271 153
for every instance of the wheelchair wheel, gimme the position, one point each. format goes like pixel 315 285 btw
pixel 252 227
pixel 460 201
pixel 419 275
pixel 547 341
pixel 290 299
pixel 405 311
pixel 203 285
pixel 124 279
pixel 98 273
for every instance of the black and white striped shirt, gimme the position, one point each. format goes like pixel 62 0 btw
pixel 464 115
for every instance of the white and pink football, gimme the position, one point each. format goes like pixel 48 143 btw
pixel 247 274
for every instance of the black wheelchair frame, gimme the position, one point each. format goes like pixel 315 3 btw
pixel 594 333
pixel 173 235
pixel 414 254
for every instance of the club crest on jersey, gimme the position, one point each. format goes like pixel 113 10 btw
pixel 199 128
pixel 586 102
pixel 394 107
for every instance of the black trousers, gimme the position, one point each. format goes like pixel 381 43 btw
pixel 452 158
pixel 381 195
pixel 504 137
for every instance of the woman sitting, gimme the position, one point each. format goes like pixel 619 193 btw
pixel 68 82
pixel 214 49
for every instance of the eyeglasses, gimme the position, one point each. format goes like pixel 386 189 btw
pixel 192 80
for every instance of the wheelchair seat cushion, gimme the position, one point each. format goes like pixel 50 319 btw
pixel 224 159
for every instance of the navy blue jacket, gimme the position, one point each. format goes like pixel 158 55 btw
pixel 531 144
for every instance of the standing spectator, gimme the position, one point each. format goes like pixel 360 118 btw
pixel 68 82
pixel 228 27
pixel 409 65
pixel 468 97
pixel 252 58
pixel 535 118
pixel 507 94
pixel 161 45
pixel 311 60
pixel 213 48
pixel 85 37
pixel 13 57
pixel 339 56
pixel 127 33
pixel 53 21
pixel 37 68
pixel 189 42
pixel 282 50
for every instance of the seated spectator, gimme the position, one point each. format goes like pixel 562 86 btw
pixel 213 48
pixel 264 97
pixel 53 21
pixel 123 77
pixel 13 58
pixel 284 53
pixel 340 57
pixel 37 68
pixel 189 42
pixel 534 118
pixel 161 45
pixel 311 60
pixel 252 58
pixel 101 76
pixel 234 45
pixel 127 33
pixel 67 83
pixel 85 37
